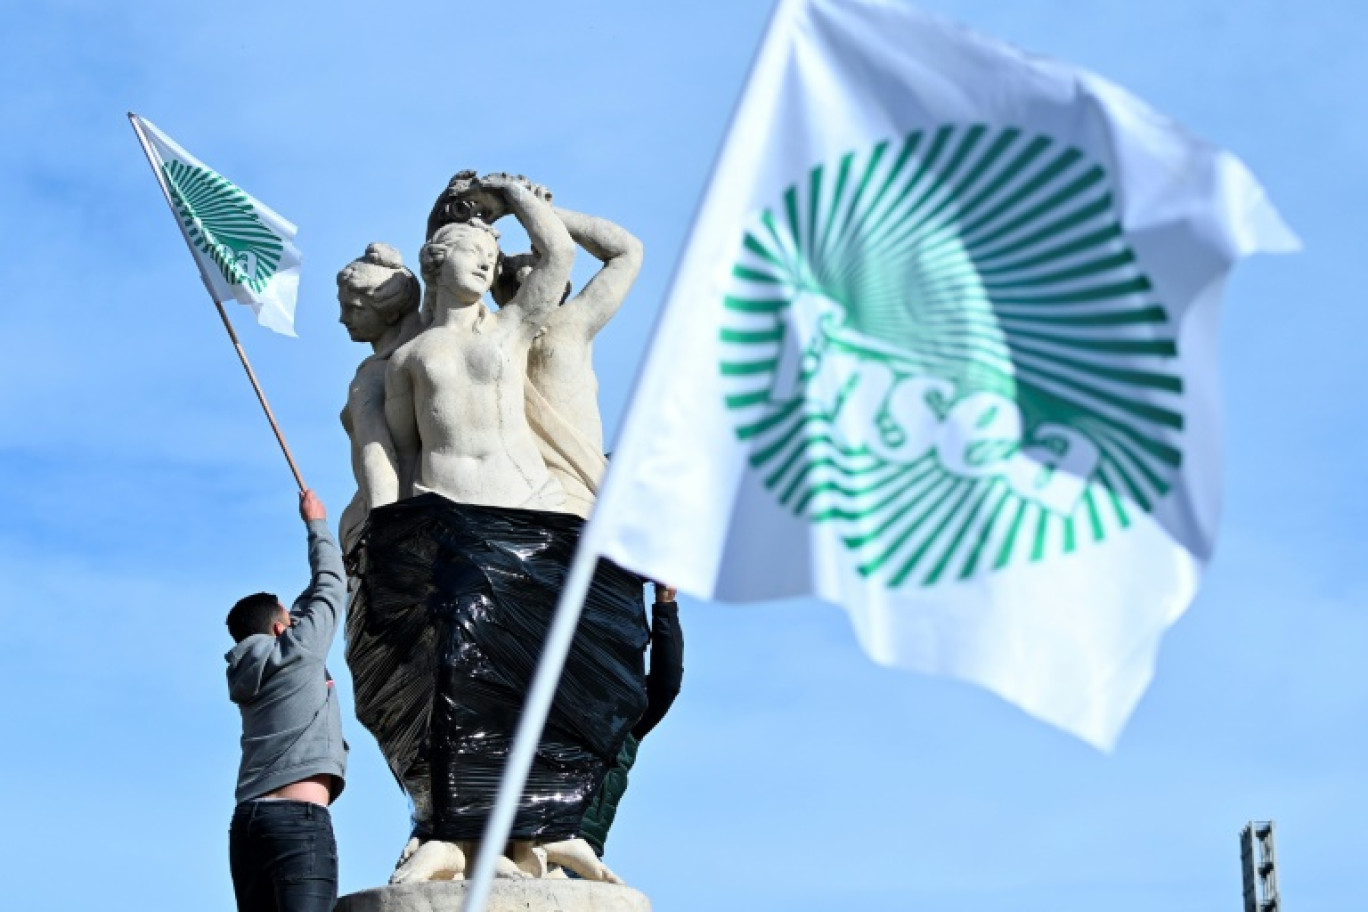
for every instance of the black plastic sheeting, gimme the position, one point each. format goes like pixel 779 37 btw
pixel 443 635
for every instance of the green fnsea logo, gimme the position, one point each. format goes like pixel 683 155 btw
pixel 945 347
pixel 220 220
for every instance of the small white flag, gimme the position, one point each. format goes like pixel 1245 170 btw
pixel 244 250
pixel 941 350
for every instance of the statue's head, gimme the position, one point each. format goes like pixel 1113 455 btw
pixel 513 272
pixel 375 292
pixel 462 260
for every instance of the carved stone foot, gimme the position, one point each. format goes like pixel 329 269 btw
pixel 433 860
pixel 409 848
pixel 536 895
pixel 529 859
pixel 437 860
pixel 578 856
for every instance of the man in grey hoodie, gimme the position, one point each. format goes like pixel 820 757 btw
pixel 281 846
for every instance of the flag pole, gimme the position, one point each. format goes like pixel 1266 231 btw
pixel 223 314
pixel 543 691
pixel 261 396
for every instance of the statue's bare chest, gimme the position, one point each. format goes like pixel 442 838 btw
pixel 368 386
pixel 553 357
pixel 474 359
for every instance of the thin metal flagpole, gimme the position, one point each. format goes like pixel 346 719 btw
pixel 223 314
pixel 533 719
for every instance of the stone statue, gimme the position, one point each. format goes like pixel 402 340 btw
pixel 562 394
pixel 454 393
pixel 464 421
pixel 379 300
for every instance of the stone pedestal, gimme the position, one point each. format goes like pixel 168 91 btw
pixel 505 896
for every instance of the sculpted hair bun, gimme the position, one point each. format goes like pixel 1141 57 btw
pixel 384 255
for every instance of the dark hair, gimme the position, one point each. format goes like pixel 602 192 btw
pixel 507 281
pixel 451 205
pixel 253 614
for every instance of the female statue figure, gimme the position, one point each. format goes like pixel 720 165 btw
pixel 379 300
pixel 562 390
pixel 445 613
pixel 454 393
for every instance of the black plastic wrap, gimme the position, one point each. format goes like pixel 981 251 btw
pixel 443 635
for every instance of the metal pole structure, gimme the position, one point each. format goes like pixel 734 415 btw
pixel 223 314
pixel 1248 870
pixel 533 720
pixel 1258 864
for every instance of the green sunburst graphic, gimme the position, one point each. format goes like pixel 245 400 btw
pixel 945 347
pixel 221 222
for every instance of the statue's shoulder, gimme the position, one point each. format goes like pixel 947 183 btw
pixel 369 373
pixel 410 349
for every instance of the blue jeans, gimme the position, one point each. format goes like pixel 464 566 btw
pixel 283 857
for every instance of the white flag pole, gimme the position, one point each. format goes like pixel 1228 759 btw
pixel 571 601
pixel 223 314
pixel 533 720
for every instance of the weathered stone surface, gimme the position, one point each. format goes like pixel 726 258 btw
pixel 487 408
pixel 529 895
pixel 379 301
pixel 454 393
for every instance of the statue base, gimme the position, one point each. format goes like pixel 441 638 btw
pixel 531 895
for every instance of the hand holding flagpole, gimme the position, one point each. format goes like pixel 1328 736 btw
pixel 243 250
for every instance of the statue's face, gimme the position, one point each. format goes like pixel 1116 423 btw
pixel 470 256
pixel 363 322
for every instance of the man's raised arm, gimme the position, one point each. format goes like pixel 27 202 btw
pixel 315 613
pixel 621 255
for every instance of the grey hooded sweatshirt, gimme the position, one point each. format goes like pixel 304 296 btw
pixel 291 721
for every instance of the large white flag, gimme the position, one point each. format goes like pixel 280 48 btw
pixel 244 250
pixel 941 350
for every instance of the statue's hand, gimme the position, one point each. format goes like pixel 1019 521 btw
pixel 500 182
pixel 488 197
pixel 504 182
pixel 480 202
pixel 540 191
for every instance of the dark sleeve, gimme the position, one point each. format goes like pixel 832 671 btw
pixel 598 819
pixel 667 666
pixel 316 610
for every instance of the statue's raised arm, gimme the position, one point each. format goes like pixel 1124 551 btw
pixel 543 288
pixel 562 392
pixel 621 254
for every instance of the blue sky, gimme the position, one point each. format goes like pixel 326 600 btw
pixel 142 492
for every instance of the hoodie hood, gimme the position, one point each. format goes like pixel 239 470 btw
pixel 247 662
